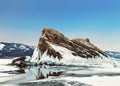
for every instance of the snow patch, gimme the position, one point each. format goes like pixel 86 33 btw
pixel 12 49
pixel 18 62
pixel 27 58
pixel 96 80
pixel 2 46
pixel 68 58
pixel 36 56
pixel 22 47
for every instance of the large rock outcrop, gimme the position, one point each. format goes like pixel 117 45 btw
pixel 55 48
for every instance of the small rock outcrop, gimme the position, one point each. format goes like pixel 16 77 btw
pixel 20 62
pixel 54 44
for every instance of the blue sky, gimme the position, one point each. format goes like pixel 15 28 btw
pixel 99 20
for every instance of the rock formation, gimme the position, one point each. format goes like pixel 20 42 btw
pixel 54 45
pixel 21 62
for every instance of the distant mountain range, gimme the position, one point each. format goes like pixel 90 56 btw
pixel 113 54
pixel 8 50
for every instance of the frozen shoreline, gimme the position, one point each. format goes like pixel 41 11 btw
pixel 85 75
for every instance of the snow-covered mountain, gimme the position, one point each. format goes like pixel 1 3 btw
pixel 8 50
pixel 113 54
pixel 54 48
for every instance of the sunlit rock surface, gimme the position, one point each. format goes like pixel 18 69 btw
pixel 56 49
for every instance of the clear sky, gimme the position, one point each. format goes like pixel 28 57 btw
pixel 22 21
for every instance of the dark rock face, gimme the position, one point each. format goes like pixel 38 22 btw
pixel 81 47
pixel 51 36
pixel 88 47
pixel 20 62
pixel 43 76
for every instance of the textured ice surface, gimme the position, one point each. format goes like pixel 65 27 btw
pixel 90 72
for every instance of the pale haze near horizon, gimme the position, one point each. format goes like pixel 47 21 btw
pixel 23 21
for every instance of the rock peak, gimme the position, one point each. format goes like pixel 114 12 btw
pixel 54 44
pixel 52 35
pixel 49 31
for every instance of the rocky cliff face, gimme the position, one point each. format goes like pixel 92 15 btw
pixel 55 48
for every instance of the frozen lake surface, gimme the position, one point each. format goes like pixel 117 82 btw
pixel 95 72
